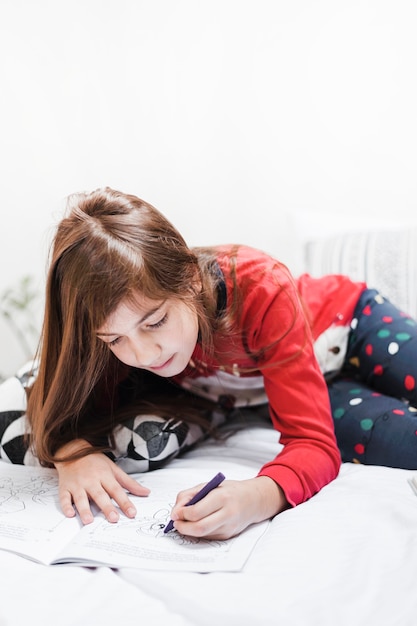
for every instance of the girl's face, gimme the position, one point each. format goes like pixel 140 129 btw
pixel 159 336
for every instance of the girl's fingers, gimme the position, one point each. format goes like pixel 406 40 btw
pixel 118 493
pixel 130 483
pixel 65 500
pixel 80 502
pixel 210 526
pixel 120 497
pixel 184 497
pixel 105 497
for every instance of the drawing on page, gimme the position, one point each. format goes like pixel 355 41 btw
pixel 16 495
pixel 152 526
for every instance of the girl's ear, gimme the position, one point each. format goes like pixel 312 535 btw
pixel 197 285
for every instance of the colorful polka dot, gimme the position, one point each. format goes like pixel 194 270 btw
pixel 409 382
pixel 359 448
pixel 355 401
pixel 378 298
pixel 383 333
pixel 369 349
pixel 355 391
pixel 354 323
pixel 402 336
pixel 355 361
pixel 398 412
pixel 393 347
pixel 387 319
pixel 367 310
pixel 366 424
pixel 338 413
pixel 378 370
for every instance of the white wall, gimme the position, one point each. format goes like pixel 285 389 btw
pixel 229 115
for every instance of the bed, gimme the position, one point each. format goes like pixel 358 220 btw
pixel 347 556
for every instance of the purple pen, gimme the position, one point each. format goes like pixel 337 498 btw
pixel 212 484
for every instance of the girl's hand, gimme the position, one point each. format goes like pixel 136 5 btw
pixel 98 479
pixel 229 509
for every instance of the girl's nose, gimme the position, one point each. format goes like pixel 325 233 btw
pixel 146 352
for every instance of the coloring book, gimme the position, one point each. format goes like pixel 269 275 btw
pixel 33 526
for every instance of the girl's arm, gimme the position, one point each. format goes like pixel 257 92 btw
pixel 276 330
pixel 94 478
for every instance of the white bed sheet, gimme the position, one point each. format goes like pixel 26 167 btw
pixel 347 556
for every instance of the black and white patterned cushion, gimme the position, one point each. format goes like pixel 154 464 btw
pixel 147 442
pixel 142 443
pixel 13 422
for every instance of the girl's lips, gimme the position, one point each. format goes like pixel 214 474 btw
pixel 157 368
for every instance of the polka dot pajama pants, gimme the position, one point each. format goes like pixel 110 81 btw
pixel 374 399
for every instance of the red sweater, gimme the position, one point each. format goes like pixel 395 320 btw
pixel 294 385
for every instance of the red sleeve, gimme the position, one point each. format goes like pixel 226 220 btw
pixel 296 389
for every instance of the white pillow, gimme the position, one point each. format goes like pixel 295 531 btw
pixel 385 259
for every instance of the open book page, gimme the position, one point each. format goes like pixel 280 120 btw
pixel 142 543
pixel 31 524
pixel 31 521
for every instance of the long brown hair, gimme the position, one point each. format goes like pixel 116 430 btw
pixel 107 247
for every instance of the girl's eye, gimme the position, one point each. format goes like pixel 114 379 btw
pixel 154 326
pixel 160 323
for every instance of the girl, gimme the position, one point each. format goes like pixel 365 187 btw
pixel 137 323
